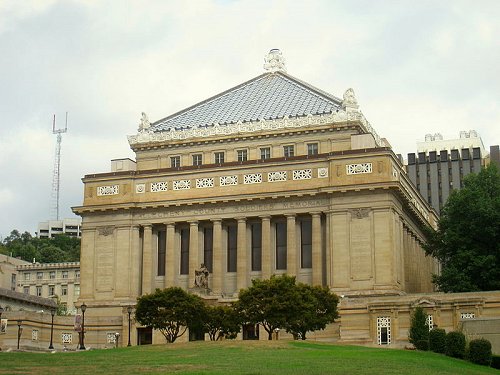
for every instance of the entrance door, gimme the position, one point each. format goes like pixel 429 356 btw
pixel 144 336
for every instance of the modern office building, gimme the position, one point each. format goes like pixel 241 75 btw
pixel 51 228
pixel 440 165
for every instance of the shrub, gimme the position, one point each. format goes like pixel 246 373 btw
pixel 455 344
pixel 422 345
pixel 419 330
pixel 495 361
pixel 480 352
pixel 437 340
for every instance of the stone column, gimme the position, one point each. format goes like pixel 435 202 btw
pixel 266 247
pixel 291 246
pixel 193 251
pixel 241 260
pixel 317 264
pixel 88 263
pixel 218 265
pixel 147 259
pixel 135 262
pixel 170 261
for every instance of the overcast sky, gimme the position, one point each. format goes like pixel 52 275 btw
pixel 417 67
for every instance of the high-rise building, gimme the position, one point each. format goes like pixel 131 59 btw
pixel 51 228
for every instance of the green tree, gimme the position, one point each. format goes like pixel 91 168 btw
pixel 467 241
pixel 171 311
pixel 221 321
pixel 314 308
pixel 419 330
pixel 268 302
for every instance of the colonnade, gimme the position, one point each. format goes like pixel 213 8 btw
pixel 256 256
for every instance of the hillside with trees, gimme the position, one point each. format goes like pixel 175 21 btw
pixel 61 248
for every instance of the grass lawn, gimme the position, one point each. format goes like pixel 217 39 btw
pixel 238 357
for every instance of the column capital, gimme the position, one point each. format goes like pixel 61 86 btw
pixel 169 224
pixel 193 223
pixel 216 220
pixel 316 213
pixel 290 216
pixel 265 217
pixel 147 226
pixel 241 219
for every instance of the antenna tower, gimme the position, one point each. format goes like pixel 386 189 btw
pixel 57 165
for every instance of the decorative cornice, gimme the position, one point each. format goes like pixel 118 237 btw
pixel 341 116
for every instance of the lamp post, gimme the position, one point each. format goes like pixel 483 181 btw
pixel 52 312
pixel 83 307
pixel 19 331
pixel 1 311
pixel 129 311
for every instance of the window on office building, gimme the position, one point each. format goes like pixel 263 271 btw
pixel 185 251
pixel 242 155
pixel 161 253
pixel 219 157
pixel 256 246
pixel 232 231
pixel 197 159
pixel 281 246
pixel 265 153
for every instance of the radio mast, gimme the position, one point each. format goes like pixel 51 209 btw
pixel 57 165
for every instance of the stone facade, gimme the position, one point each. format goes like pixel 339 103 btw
pixel 315 195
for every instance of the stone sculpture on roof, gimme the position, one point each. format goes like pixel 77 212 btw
pixel 145 124
pixel 274 61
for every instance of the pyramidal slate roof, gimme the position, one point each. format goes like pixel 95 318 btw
pixel 269 96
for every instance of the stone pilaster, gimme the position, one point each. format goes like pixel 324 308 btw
pixel 266 247
pixel 218 265
pixel 170 259
pixel 241 265
pixel 193 251
pixel 291 246
pixel 147 259
pixel 317 264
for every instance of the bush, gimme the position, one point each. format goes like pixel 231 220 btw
pixel 437 340
pixel 419 330
pixel 422 345
pixel 455 344
pixel 495 361
pixel 480 352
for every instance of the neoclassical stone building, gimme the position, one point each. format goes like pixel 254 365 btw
pixel 269 177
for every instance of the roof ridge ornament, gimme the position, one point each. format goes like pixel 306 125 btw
pixel 274 61
pixel 145 124
pixel 349 100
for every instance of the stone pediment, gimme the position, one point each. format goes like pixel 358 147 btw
pixel 425 302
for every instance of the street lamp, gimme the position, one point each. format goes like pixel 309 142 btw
pixel 1 311
pixel 129 311
pixel 19 332
pixel 52 312
pixel 83 307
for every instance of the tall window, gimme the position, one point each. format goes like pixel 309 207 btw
pixel 306 244
pixel 232 246
pixel 39 275
pixel 77 290
pixel 162 248
pixel 185 251
pixel 26 290
pixel 64 274
pixel 197 159
pixel 242 155
pixel 13 282
pixel 265 153
pixel 256 247
pixel 175 161
pixel 39 291
pixel 281 246
pixel 64 290
pixel 26 276
pixel 312 149
pixel 288 151
pixel 52 275
pixel 219 157
pixel 208 241
pixel 52 290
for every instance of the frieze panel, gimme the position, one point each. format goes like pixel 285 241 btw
pixel 322 172
pixel 228 180
pixel 159 186
pixel 140 188
pixel 359 213
pixel 359 168
pixel 276 176
pixel 105 231
pixel 252 178
pixel 204 183
pixel 182 185
pixel 107 190
pixel 302 174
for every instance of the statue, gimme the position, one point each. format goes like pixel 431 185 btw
pixel 201 277
pixel 145 124
pixel 274 61
pixel 349 99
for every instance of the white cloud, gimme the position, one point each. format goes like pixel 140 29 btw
pixel 416 68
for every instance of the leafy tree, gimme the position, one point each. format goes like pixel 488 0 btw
pixel 221 321
pixel 268 302
pixel 171 311
pixel 419 330
pixel 281 303
pixel 467 241
pixel 315 307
